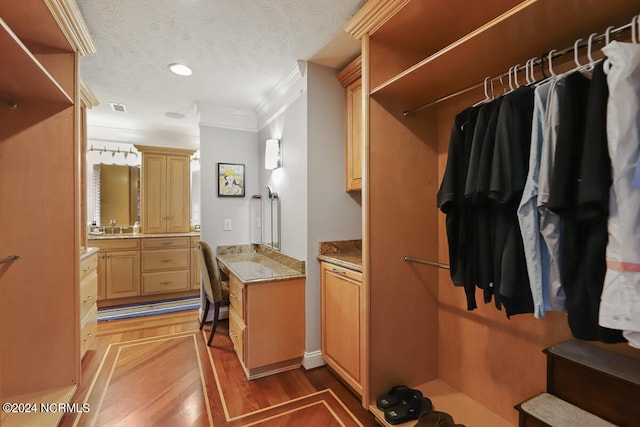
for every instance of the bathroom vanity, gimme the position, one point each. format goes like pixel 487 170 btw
pixel 266 308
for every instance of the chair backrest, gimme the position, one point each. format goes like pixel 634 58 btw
pixel 211 281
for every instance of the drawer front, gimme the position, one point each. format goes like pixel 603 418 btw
pixel 194 240
pixel 341 271
pixel 169 259
pixel 88 266
pixel 154 283
pixel 165 242
pixel 235 295
pixel 236 333
pixel 88 329
pixel 88 294
pixel 116 244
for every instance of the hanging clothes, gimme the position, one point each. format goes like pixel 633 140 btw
pixel 620 303
pixel 550 222
pixel 509 171
pixel 535 248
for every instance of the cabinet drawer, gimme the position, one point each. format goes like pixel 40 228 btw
pixel 116 244
pixel 169 259
pixel 235 295
pixel 88 294
pixel 236 333
pixel 153 283
pixel 165 242
pixel 88 266
pixel 88 329
pixel 344 272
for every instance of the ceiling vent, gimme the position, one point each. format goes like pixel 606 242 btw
pixel 118 108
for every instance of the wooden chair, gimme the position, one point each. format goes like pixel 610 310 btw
pixel 216 290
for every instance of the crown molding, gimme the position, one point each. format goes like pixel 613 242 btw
pixel 87 97
pixel 288 89
pixel 372 16
pixel 70 19
pixel 166 139
pixel 213 115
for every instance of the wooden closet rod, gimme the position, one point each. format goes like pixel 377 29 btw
pixel 422 261
pixel 553 54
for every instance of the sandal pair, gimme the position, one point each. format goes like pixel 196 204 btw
pixel 403 404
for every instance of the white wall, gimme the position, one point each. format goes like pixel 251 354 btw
pixel 228 146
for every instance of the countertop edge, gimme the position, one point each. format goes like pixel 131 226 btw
pixel 340 262
pixel 87 252
pixel 91 237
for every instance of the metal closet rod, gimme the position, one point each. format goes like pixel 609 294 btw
pixel 422 261
pixel 611 31
pixel 10 258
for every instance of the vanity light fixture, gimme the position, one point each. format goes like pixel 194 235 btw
pixel 180 69
pixel 272 158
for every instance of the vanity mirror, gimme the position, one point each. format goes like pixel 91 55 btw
pixel 265 218
pixel 116 190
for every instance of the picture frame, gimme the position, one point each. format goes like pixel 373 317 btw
pixel 231 180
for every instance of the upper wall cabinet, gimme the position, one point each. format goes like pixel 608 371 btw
pixel 165 196
pixel 350 79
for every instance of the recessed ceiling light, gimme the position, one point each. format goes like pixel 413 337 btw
pixel 174 115
pixel 117 107
pixel 180 69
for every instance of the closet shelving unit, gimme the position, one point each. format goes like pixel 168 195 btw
pixel 475 365
pixel 40 45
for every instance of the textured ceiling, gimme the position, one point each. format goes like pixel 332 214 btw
pixel 238 49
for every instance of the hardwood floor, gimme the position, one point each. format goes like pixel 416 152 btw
pixel 158 371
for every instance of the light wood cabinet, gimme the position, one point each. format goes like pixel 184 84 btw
pixel 194 281
pixel 41 42
pixel 266 324
pixel 165 190
pixel 119 268
pixel 343 323
pixel 88 301
pixel 350 79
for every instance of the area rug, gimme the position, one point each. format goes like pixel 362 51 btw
pixel 148 309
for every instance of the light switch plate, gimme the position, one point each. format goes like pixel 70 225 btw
pixel 227 225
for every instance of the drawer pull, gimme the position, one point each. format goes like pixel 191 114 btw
pixel 167 260
pixel 232 333
pixel 233 295
pixel 167 282
pixel 167 243
pixel 335 270
pixel 88 268
pixel 89 298
pixel 89 336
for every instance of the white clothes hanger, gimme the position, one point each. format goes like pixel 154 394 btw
pixel 607 35
pixel 550 60
pixel 576 46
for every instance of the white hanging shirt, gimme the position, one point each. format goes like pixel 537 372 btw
pixel 620 301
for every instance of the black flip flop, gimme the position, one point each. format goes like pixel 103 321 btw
pixel 395 395
pixel 436 418
pixel 408 409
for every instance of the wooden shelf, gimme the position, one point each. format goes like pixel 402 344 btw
pixel 25 68
pixel 461 407
pixel 36 25
pixel 513 37
pixel 39 417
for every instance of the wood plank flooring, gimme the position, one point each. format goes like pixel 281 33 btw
pixel 158 371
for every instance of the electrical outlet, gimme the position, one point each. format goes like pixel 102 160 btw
pixel 227 225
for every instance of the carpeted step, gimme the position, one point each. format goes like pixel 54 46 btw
pixel 547 410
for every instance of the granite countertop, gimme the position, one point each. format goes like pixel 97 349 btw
pixel 139 235
pixel 344 253
pixel 86 252
pixel 255 263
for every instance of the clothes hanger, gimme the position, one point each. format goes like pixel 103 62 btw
pixel 487 98
pixel 576 46
pixel 515 76
pixel 607 35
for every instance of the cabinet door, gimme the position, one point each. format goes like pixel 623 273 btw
pixel 354 143
pixel 341 331
pixel 154 194
pixel 102 275
pixel 123 274
pixel 178 211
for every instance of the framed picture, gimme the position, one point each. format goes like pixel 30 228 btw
pixel 230 180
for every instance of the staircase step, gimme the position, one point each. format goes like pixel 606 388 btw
pixel 597 380
pixel 548 410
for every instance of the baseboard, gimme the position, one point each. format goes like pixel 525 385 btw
pixel 312 360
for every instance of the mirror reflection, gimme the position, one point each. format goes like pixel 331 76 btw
pixel 265 218
pixel 117 188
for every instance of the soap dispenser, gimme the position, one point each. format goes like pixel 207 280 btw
pixel 136 227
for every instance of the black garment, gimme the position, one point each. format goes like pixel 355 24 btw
pixel 510 166
pixel 586 233
pixel 485 208
pixel 451 201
